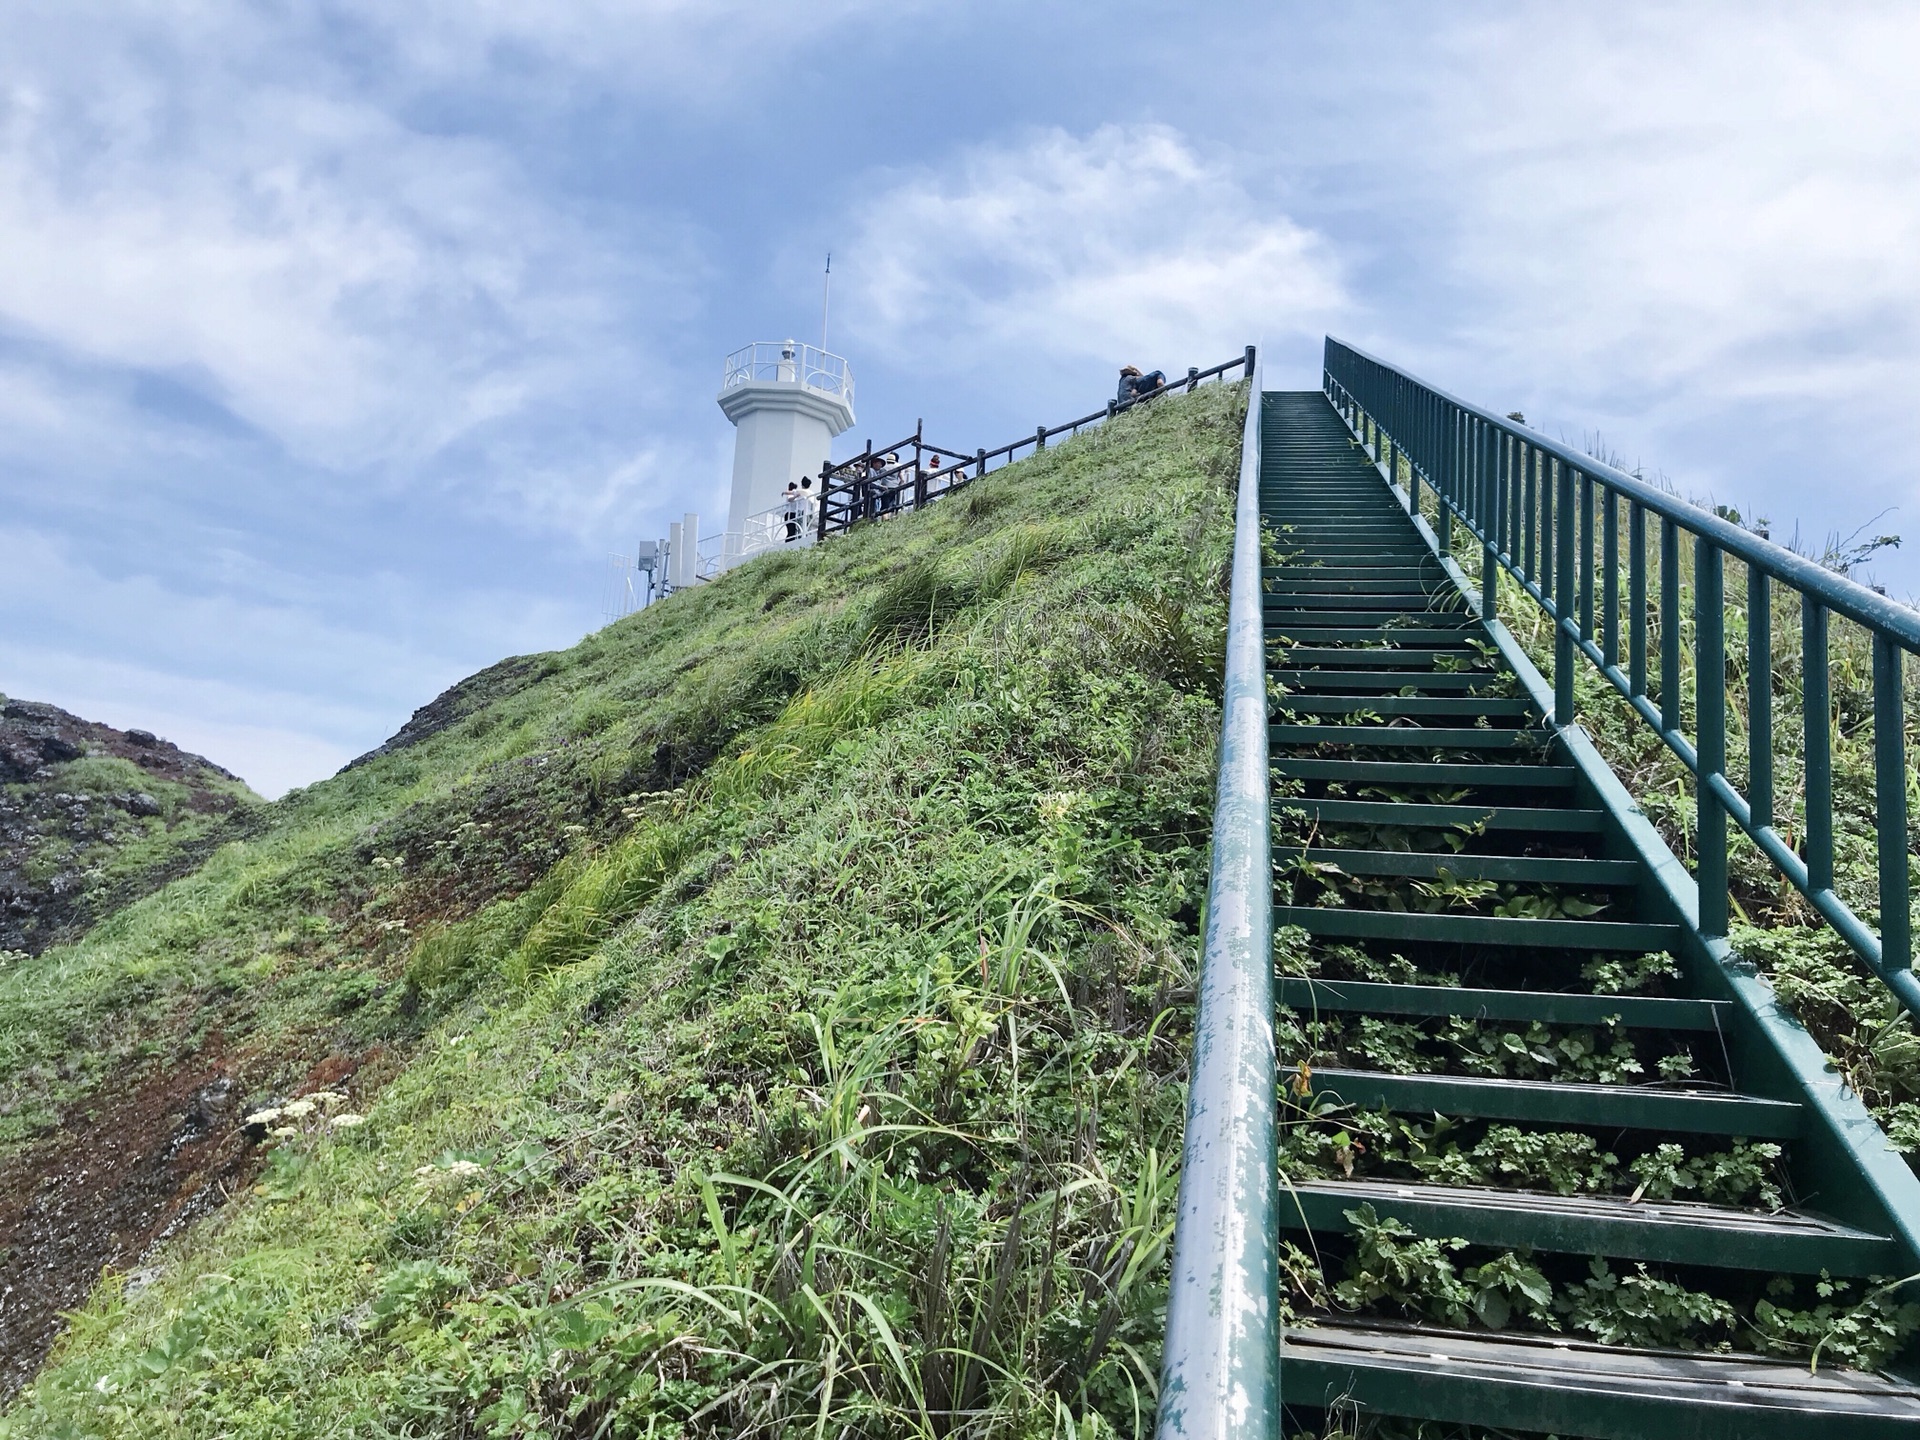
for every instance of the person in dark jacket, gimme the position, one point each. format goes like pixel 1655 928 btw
pixel 1135 386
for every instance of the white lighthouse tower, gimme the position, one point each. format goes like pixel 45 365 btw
pixel 787 401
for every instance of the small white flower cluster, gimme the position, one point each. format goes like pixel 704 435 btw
pixel 313 1111
pixel 432 1174
pixel 638 803
pixel 389 864
pixel 387 927
pixel 467 830
pixel 11 957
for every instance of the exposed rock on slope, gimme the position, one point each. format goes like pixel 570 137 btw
pixel 91 817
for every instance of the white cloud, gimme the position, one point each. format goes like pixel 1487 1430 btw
pixel 1122 242
pixel 1725 196
pixel 278 678
pixel 358 291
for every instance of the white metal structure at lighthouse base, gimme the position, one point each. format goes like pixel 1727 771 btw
pixel 787 401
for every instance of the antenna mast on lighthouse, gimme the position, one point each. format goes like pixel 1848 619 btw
pixel 826 293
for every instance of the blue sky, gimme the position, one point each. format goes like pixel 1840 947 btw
pixel 341 342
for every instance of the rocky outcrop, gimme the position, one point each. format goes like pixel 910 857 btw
pixel 75 795
pixel 457 702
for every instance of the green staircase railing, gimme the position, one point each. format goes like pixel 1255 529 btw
pixel 1533 503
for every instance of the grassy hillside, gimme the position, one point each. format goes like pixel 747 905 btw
pixel 766 1016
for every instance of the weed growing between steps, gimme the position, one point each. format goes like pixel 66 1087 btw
pixel 827 1072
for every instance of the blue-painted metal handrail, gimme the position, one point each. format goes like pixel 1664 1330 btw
pixel 1531 503
pixel 1220 1375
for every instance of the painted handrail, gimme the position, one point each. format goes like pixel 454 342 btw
pixel 1220 1372
pixel 1531 503
pixel 850 491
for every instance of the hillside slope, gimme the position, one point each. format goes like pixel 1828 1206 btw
pixel 769 1012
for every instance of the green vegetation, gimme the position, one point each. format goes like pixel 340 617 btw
pixel 790 986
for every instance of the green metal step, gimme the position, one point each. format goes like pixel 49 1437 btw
pixel 1402 737
pixel 1450 706
pixel 1548 1102
pixel 1335 617
pixel 1432 864
pixel 1418 772
pixel 1367 637
pixel 1370 579
pixel 1414 658
pixel 1329 599
pixel 1576 1387
pixel 1465 817
pixel 1479 929
pixel 1389 680
pixel 1667 1231
pixel 1552 1007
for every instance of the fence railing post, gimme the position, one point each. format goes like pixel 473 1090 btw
pixel 1890 803
pixel 1563 599
pixel 1710 724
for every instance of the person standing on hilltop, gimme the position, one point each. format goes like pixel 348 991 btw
pixel 1135 386
pixel 791 501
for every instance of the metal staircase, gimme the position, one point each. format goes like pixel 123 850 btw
pixel 1412 756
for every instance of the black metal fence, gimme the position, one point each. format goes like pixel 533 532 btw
pixel 857 489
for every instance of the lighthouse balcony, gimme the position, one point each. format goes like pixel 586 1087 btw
pixel 788 362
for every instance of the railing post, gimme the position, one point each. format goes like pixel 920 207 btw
pixel 1759 697
pixel 1890 805
pixel 1710 725
pixel 1249 374
pixel 1610 576
pixel 1636 598
pixel 826 474
pixel 1193 378
pixel 1585 545
pixel 1670 626
pixel 1489 508
pixel 980 463
pixel 1817 727
pixel 1039 437
pixel 1563 598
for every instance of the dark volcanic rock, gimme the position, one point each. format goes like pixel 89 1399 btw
pixel 62 824
pixel 454 704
